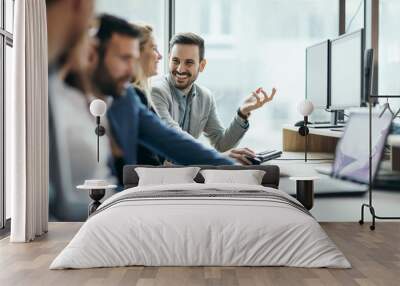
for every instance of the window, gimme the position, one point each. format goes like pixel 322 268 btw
pixel 389 47
pixel 8 80
pixel 258 43
pixel 9 13
pixel 2 137
pixel 6 43
pixel 139 11
pixel 354 15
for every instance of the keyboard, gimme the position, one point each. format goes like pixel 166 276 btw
pixel 338 130
pixel 265 156
pixel 325 126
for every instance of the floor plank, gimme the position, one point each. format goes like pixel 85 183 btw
pixel 374 255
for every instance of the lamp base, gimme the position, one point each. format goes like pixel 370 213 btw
pixel 100 130
pixel 96 195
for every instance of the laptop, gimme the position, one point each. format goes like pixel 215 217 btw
pixel 352 152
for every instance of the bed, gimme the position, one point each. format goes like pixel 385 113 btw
pixel 198 224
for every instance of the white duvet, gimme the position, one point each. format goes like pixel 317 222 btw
pixel 188 231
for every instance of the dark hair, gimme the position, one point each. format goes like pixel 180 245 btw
pixel 109 25
pixel 188 39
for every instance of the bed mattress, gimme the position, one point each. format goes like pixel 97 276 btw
pixel 201 225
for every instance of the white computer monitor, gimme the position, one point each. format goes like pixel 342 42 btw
pixel 317 74
pixel 346 74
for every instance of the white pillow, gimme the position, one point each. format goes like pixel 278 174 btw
pixel 166 176
pixel 247 177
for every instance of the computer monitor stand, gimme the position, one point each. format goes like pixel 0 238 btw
pixel 337 120
pixel 337 117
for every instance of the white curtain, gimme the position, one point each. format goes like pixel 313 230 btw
pixel 27 124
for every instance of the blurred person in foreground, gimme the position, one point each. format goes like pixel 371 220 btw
pixel 74 137
pixel 70 125
pixel 67 21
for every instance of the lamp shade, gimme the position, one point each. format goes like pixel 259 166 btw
pixel 305 107
pixel 98 107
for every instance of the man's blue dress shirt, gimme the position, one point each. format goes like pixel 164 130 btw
pixel 132 123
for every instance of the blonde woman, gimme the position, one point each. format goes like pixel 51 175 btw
pixel 149 59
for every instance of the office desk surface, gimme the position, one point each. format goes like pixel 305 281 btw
pixel 292 164
pixel 317 131
pixel 340 207
pixel 393 140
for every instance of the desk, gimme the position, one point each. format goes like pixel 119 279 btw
pixel 319 140
pixel 325 140
pixel 327 205
pixel 394 142
pixel 292 164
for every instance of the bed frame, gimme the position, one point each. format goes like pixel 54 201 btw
pixel 270 179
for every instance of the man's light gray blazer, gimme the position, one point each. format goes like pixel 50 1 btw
pixel 203 115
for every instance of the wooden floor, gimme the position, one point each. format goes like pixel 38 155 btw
pixel 375 257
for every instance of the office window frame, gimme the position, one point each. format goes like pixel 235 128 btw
pixel 341 20
pixel 6 39
pixel 170 18
pixel 370 22
pixel 169 29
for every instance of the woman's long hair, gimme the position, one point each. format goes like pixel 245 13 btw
pixel 141 81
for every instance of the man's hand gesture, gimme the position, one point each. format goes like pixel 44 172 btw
pixel 256 100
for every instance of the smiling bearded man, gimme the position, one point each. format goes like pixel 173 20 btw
pixel 191 108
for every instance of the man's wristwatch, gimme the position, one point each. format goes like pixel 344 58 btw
pixel 243 116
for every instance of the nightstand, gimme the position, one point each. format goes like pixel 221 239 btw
pixel 97 190
pixel 305 190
